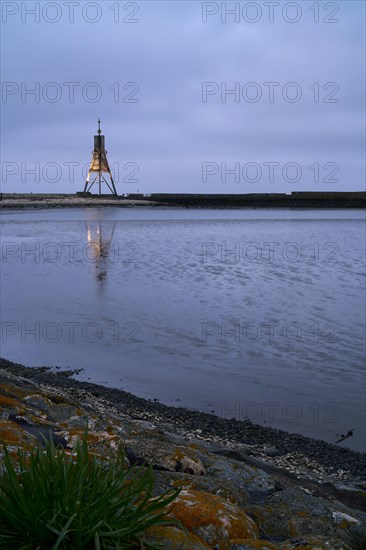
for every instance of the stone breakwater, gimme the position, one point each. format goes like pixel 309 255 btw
pixel 244 488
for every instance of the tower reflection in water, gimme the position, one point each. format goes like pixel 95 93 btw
pixel 100 237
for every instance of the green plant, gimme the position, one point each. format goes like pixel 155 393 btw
pixel 52 500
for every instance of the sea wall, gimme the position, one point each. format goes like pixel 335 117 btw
pixel 293 200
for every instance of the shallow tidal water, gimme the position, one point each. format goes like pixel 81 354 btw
pixel 254 313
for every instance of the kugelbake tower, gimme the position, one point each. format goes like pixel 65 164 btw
pixel 99 165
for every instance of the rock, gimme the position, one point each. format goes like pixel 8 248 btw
pixel 253 481
pixel 344 520
pixel 10 404
pixel 225 489
pixel 164 455
pixel 277 485
pixel 14 436
pixel 172 538
pixel 211 518
pixel 293 513
pixel 272 452
pixel 314 543
pixel 281 522
pixel 247 544
pixel 100 441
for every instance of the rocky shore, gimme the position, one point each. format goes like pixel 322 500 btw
pixel 243 486
pixel 189 200
pixel 39 201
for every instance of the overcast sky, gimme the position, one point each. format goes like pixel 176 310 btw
pixel 156 72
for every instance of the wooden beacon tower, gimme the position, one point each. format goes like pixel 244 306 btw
pixel 99 164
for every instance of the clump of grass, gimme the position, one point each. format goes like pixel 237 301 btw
pixel 52 500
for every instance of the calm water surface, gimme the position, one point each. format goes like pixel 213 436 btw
pixel 242 313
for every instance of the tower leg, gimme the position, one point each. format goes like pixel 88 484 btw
pixel 100 177
pixel 112 190
pixel 91 185
pixel 87 182
pixel 114 187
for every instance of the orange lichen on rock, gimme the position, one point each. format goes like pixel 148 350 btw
pixel 74 435
pixel 12 434
pixel 37 420
pixel 186 462
pixel 10 403
pixel 14 391
pixel 38 400
pixel 175 538
pixel 212 518
pixel 182 483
